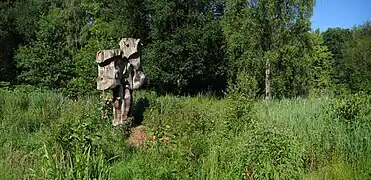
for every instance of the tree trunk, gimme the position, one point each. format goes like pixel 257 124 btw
pixel 268 92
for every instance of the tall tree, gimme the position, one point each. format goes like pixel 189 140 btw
pixel 185 52
pixel 9 39
pixel 17 26
pixel 322 57
pixel 49 60
pixel 109 21
pixel 335 40
pixel 351 62
pixel 357 59
pixel 268 40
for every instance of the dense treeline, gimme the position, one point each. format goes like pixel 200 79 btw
pixel 265 47
pixel 253 48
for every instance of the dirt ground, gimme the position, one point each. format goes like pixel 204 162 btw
pixel 137 137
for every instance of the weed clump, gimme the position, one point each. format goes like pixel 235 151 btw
pixel 272 152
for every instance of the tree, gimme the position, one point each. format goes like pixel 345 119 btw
pixel 357 59
pixel 322 68
pixel 17 27
pixel 351 60
pixel 269 41
pixel 9 39
pixel 49 60
pixel 109 21
pixel 335 40
pixel 184 54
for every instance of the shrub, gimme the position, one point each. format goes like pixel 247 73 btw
pixel 82 163
pixel 245 87
pixel 272 152
pixel 352 109
pixel 349 121
pixel 4 85
pixel 77 147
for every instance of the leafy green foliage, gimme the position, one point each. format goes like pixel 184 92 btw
pixel 66 136
pixel 321 62
pixel 351 57
pixel 107 23
pixel 352 108
pixel 357 59
pixel 49 60
pixel 336 39
pixel 273 33
pixel 42 62
pixel 189 47
pixel 352 111
pixel 273 153
pixel 9 41
pixel 185 52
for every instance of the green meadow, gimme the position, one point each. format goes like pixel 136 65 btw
pixel 45 135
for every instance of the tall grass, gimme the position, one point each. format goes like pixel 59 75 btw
pixel 47 136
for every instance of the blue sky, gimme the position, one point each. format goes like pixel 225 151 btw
pixel 340 13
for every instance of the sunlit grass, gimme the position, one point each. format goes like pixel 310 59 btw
pixel 45 135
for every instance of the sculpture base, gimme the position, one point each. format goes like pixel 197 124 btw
pixel 122 102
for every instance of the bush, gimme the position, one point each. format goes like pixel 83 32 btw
pixel 79 146
pixel 272 152
pixel 352 109
pixel 245 87
pixel 4 85
pixel 350 125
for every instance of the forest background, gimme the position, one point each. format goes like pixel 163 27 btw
pixel 212 65
pixel 189 47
